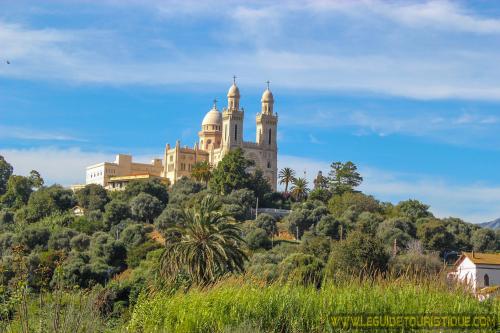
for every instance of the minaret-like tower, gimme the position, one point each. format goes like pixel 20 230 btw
pixel 266 136
pixel 232 119
pixel 267 121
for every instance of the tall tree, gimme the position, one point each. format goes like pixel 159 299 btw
pixel 344 177
pixel 300 188
pixel 92 197
pixel 35 179
pixel 145 207
pixel 204 244
pixel 18 191
pixel 231 173
pixel 202 171
pixel 286 176
pixel 5 172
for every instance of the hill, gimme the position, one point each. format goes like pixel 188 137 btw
pixel 492 224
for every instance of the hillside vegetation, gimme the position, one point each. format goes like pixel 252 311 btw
pixel 192 257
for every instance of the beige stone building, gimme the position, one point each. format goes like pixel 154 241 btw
pixel 220 132
pixel 223 131
pixel 123 165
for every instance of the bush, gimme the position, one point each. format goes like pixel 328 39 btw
pixel 80 243
pixel 60 240
pixel 355 201
pixel 415 264
pixel 302 269
pixel 92 197
pixel 152 187
pixel 358 254
pixel 266 222
pixel 146 207
pixel 34 237
pixel 258 239
pixel 115 212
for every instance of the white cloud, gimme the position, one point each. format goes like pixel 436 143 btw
pixel 258 44
pixel 472 202
pixel 13 132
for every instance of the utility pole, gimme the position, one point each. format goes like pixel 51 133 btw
pixel 297 232
pixel 256 208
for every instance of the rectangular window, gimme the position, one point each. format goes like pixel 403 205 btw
pixel 236 132
pixel 269 136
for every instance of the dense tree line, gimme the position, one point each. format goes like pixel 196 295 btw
pixel 202 229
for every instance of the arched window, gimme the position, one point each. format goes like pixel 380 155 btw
pixel 235 132
pixel 269 136
pixel 269 164
pixel 486 280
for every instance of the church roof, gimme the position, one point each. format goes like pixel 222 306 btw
pixel 267 96
pixel 213 117
pixel 233 91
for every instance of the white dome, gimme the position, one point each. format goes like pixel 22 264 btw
pixel 233 91
pixel 267 96
pixel 213 117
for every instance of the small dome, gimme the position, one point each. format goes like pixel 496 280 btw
pixel 213 117
pixel 267 96
pixel 233 91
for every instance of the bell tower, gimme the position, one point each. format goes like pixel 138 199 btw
pixel 267 121
pixel 232 119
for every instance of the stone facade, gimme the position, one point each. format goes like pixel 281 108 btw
pixel 122 166
pixel 222 132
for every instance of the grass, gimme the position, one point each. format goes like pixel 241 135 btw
pixel 238 305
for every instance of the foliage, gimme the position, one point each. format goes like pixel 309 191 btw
pixel 343 177
pixel 413 209
pixel 434 236
pixel 239 203
pixel 146 207
pixel 401 230
pixel 484 240
pixel 299 188
pixel 266 222
pixel 286 177
pixel 257 238
pixel 230 173
pixel 415 263
pixel 202 171
pixel 302 269
pixel 204 244
pixel 18 192
pixel 352 201
pixel 152 187
pixel 5 172
pixel 239 306
pixel 259 184
pixel 92 197
pixel 358 253
pixel 35 179
pixel 331 227
pixel 115 212
pixel 316 245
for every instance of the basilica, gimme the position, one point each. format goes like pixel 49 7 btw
pixel 221 132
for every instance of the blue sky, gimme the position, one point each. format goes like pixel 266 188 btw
pixel 408 90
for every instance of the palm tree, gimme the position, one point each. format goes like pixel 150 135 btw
pixel 202 171
pixel 286 176
pixel 299 188
pixel 205 245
